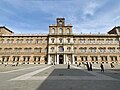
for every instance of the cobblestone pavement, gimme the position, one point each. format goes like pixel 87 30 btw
pixel 58 77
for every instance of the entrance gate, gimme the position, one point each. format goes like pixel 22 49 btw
pixel 61 60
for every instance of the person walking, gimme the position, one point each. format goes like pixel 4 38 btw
pixel 90 66
pixel 102 67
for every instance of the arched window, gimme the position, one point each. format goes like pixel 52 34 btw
pixel 60 40
pixel 53 31
pixel 74 40
pixel 75 49
pixel 53 40
pixel 91 49
pixel 118 49
pixel 2 41
pixel 68 49
pixel 40 49
pixel 68 31
pixel 61 31
pixel 41 41
pixel 52 49
pixel 68 40
pixel 85 49
pixel 61 49
pixel 117 40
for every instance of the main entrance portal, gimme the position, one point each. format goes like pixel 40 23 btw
pixel 61 60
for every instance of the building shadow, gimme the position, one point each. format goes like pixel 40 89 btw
pixel 57 79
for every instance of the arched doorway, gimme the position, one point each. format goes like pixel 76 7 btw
pixel 61 60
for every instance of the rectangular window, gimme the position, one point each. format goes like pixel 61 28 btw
pixel 74 40
pixel 36 41
pixel 40 41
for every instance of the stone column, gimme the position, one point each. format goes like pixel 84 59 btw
pixel 15 60
pixel 57 59
pixel 118 59
pixel 99 59
pixel 0 59
pixel 49 59
pixel 31 59
pixel 5 60
pixel 73 59
pixel 88 58
pixel 36 60
pixel 64 41
pixel 21 59
pixel 64 59
pixel 109 59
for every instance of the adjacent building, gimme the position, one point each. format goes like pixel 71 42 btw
pixel 60 46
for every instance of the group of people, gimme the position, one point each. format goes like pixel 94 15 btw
pixel 89 67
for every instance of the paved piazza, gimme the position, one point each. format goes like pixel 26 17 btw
pixel 58 77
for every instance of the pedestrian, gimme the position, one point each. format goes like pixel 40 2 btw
pixel 78 64
pixel 112 66
pixel 87 66
pixel 68 66
pixel 90 66
pixel 102 67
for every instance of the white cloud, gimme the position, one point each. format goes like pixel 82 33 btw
pixel 85 15
pixel 90 8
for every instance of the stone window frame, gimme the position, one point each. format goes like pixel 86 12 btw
pixel 52 49
pixel 69 49
pixel 53 40
pixel 75 49
pixel 53 30
pixel 61 40
pixel 68 30
pixel 74 40
pixel 61 48
pixel 60 31
pixel 68 40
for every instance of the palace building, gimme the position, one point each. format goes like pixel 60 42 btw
pixel 60 46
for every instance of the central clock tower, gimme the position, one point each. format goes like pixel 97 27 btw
pixel 60 21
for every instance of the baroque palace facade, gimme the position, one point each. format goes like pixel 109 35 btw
pixel 60 46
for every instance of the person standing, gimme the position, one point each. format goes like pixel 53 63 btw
pixel 87 66
pixel 68 66
pixel 112 66
pixel 102 67
pixel 90 66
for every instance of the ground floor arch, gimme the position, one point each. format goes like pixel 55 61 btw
pixel 60 58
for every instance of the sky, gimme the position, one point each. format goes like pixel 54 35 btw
pixel 35 16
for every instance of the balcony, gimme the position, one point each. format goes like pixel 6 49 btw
pixel 57 34
pixel 64 43
pixel 67 52
pixel 22 53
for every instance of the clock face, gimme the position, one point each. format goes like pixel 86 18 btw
pixel 60 22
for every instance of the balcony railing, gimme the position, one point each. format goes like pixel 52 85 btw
pixel 61 34
pixel 61 43
pixel 21 53
pixel 61 52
